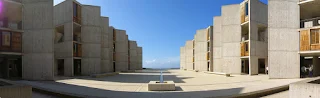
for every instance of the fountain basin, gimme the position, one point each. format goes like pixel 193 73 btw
pixel 158 86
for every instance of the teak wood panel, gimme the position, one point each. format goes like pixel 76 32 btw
pixel 304 40
pixel 242 13
pixel 243 49
pixel 10 41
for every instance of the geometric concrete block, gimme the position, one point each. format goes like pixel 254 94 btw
pixel 305 89
pixel 165 86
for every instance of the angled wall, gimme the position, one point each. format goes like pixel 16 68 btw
pixel 201 50
pixel 283 39
pixel 257 23
pixel 217 44
pixel 231 34
pixel 38 40
pixel 64 50
pixel 106 61
pixel 189 55
pixel 182 58
pixel 91 40
pixel 133 56
pixel 140 58
pixel 121 51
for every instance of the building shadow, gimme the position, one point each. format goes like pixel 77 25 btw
pixel 137 78
pixel 90 92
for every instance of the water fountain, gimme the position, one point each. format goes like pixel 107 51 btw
pixel 161 85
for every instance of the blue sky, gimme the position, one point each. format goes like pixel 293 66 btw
pixel 161 27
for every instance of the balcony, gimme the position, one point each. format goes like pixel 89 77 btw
pixel 309 23
pixel 76 13
pixel 10 41
pixel 244 13
pixel 77 50
pixel 77 33
pixel 244 49
pixel 11 15
pixel 309 39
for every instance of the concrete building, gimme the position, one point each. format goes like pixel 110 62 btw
pixel 67 39
pixel 78 39
pixel 37 40
pixel 202 49
pixel 237 41
pixel 182 58
pixel 292 22
pixel 121 50
pixel 140 58
pixel 11 35
pixel 240 38
pixel 133 56
pixel 189 55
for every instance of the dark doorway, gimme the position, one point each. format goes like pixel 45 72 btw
pixel 208 66
pixel 14 68
pixel 262 66
pixel 245 66
pixel 60 67
pixel 114 66
pixel 77 67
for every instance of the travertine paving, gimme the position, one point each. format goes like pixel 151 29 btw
pixel 189 84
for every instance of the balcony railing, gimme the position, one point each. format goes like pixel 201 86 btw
pixel 307 23
pixel 10 41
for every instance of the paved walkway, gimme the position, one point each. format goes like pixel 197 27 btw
pixel 188 84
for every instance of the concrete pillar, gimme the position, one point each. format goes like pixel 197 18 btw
pixel 283 38
pixel 253 66
pixel 316 65
pixel 38 40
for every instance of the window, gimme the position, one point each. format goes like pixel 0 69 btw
pixel 246 47
pixel 75 10
pixel 314 36
pixel 6 38
pixel 247 8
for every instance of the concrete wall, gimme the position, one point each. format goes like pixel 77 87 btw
pixel 189 55
pixel 63 12
pixel 304 89
pixel 140 57
pixel 106 61
pixel 63 16
pixel 258 49
pixel 121 47
pixel 111 42
pixel 231 34
pixel 133 61
pixel 13 90
pixel 38 40
pixel 201 49
pixel 91 40
pixel 217 44
pixel 283 39
pixel 182 58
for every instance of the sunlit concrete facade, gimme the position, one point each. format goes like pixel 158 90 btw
pixel 202 49
pixel 68 39
pixel 293 38
pixel 240 38
pixel 182 58
pixel 237 41
pixel 189 55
